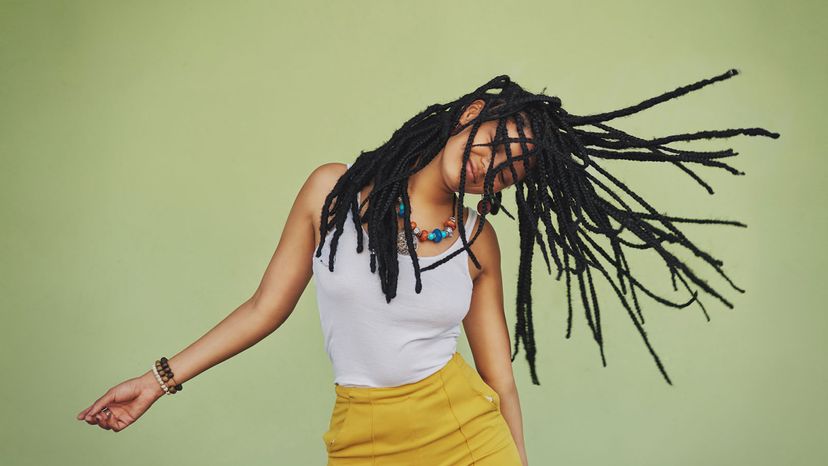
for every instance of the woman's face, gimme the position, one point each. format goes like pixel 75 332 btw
pixel 481 155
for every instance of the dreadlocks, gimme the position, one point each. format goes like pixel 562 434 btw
pixel 562 190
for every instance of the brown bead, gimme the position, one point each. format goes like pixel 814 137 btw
pixel 450 223
pixel 483 206
pixel 413 224
pixel 423 235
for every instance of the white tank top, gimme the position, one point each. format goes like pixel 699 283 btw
pixel 372 343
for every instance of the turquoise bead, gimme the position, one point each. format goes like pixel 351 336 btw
pixel 431 235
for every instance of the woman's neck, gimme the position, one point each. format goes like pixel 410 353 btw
pixel 428 192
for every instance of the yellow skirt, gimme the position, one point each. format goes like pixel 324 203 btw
pixel 450 418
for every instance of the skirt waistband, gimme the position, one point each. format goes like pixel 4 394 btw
pixel 399 391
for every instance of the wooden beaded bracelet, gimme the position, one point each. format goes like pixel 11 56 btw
pixel 164 374
pixel 167 375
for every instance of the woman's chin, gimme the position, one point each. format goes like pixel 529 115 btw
pixel 469 189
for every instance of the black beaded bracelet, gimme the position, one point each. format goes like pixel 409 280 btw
pixel 163 374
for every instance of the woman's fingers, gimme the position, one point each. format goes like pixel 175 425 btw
pixel 83 414
pixel 118 424
pixel 104 420
pixel 115 419
pixel 119 406
pixel 100 403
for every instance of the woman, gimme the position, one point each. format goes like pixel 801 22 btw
pixel 391 314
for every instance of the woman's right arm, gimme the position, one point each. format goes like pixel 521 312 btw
pixel 284 281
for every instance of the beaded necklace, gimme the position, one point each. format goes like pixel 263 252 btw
pixel 436 235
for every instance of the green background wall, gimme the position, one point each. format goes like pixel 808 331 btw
pixel 150 152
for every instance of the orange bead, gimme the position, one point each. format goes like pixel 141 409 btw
pixel 450 223
pixel 423 235
pixel 413 224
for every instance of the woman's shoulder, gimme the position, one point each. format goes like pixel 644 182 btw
pixel 485 247
pixel 318 185
pixel 323 178
pixel 328 173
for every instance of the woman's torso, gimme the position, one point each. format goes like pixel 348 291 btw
pixel 374 343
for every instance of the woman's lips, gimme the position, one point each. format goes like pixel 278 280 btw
pixel 470 171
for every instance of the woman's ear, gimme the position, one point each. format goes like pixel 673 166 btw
pixel 471 111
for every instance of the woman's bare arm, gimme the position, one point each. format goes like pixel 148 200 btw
pixel 488 336
pixel 284 281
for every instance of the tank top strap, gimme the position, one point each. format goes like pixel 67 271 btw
pixel 470 219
